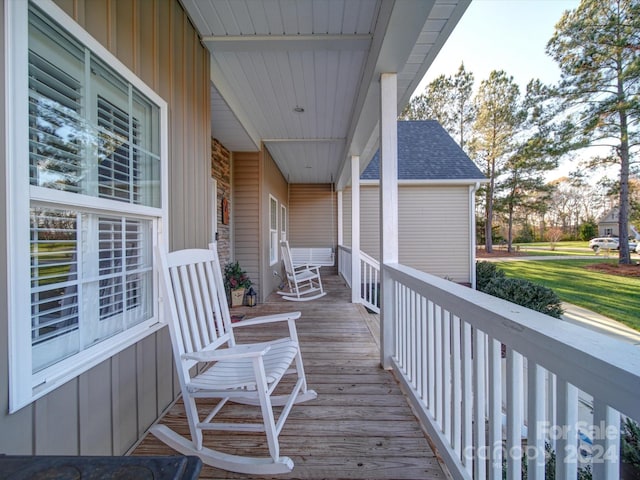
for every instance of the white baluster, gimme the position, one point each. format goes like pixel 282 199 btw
pixel 536 422
pixel 495 409
pixel 567 443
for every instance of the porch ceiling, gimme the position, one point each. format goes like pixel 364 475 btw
pixel 323 56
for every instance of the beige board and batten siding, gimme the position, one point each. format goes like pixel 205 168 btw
pixel 245 214
pixel 433 224
pixel 105 410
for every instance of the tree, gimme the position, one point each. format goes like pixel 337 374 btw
pixel 447 100
pixel 634 202
pixel 524 181
pixel 554 235
pixel 497 119
pixel 597 47
pixel 433 104
pixel 462 107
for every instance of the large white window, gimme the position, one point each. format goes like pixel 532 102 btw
pixel 273 230
pixel 86 178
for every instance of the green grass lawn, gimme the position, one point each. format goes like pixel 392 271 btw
pixel 541 252
pixel 571 244
pixel 614 296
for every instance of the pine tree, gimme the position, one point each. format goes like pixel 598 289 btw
pixel 597 47
pixel 497 121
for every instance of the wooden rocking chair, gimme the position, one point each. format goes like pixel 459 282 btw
pixel 211 365
pixel 304 281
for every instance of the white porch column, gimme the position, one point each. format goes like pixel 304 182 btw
pixel 355 230
pixel 340 219
pixel 388 208
pixel 472 234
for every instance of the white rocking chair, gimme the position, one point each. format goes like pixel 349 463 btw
pixel 304 281
pixel 211 365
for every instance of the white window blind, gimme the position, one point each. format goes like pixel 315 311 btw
pixel 54 285
pixel 118 170
pixel 107 284
pixel 55 127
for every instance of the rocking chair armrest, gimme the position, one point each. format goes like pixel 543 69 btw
pixel 306 266
pixel 231 353
pixel 278 317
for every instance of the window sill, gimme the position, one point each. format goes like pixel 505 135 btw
pixel 49 379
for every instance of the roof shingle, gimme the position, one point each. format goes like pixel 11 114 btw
pixel 426 152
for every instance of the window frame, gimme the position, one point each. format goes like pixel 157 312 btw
pixel 284 221
pixel 273 231
pixel 24 385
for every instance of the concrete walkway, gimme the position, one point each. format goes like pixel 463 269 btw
pixel 599 323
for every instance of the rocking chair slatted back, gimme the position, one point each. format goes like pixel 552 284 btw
pixel 287 259
pixel 196 295
pixel 304 281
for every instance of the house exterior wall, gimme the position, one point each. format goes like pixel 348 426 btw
pixel 245 214
pixel 273 183
pixel 433 224
pixel 105 410
pixel 313 216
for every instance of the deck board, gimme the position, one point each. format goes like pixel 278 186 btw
pixel 359 427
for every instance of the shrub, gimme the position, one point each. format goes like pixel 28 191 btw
pixel 526 293
pixel 584 473
pixel 588 230
pixel 526 235
pixel 630 443
pixel 485 272
pixel 491 280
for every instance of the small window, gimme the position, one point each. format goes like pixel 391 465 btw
pixel 273 230
pixel 283 223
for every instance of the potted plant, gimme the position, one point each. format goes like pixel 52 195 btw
pixel 236 282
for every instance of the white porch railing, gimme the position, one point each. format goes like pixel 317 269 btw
pixel 490 380
pixel 369 277
pixel 344 263
pixel 535 381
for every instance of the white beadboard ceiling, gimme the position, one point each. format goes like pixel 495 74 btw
pixel 324 56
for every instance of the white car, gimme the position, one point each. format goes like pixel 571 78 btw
pixel 606 243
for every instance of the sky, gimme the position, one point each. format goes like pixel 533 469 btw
pixel 509 35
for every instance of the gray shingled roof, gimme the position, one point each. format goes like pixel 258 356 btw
pixel 426 152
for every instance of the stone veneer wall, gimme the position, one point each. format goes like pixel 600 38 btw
pixel 221 172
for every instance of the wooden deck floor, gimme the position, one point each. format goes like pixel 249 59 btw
pixel 359 427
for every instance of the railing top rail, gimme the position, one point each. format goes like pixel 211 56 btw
pixel 600 365
pixel 345 248
pixel 369 259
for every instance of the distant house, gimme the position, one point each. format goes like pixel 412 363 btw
pixel 437 182
pixel 608 223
